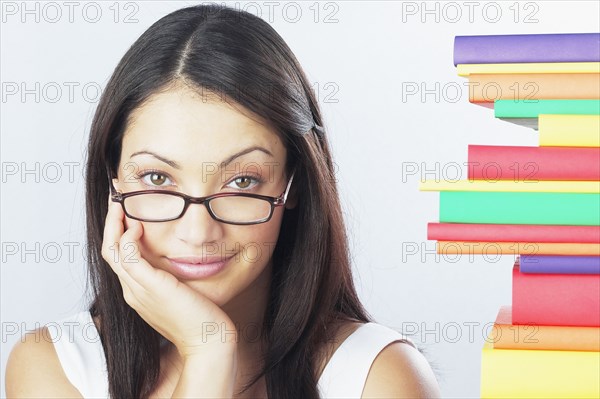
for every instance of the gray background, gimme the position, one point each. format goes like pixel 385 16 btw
pixel 365 59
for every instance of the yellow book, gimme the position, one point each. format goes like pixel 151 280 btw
pixel 531 67
pixel 526 373
pixel 547 186
pixel 569 130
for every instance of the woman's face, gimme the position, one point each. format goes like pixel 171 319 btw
pixel 177 142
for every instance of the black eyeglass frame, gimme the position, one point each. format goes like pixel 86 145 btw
pixel 117 196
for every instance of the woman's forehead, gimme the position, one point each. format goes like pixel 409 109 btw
pixel 187 110
pixel 181 119
pixel 184 128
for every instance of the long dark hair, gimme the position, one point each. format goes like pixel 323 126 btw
pixel 223 50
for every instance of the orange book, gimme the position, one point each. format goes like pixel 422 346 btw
pixel 522 336
pixel 516 248
pixel 530 86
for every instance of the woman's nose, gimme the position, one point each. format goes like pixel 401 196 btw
pixel 197 227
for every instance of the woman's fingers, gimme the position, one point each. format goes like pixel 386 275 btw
pixel 151 279
pixel 128 247
pixel 135 266
pixel 113 230
pixel 133 270
pixel 112 246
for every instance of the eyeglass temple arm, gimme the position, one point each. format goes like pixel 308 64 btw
pixel 113 191
pixel 287 189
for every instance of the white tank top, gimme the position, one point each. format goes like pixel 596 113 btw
pixel 82 358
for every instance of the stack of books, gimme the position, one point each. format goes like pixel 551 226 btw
pixel 541 204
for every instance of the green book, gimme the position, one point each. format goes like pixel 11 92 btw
pixel 526 112
pixel 533 108
pixel 503 207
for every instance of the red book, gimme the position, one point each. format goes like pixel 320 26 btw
pixel 512 232
pixel 517 163
pixel 555 299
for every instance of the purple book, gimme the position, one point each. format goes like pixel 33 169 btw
pixel 497 49
pixel 559 264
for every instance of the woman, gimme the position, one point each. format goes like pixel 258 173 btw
pixel 247 293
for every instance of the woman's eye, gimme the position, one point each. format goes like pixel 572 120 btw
pixel 243 182
pixel 154 179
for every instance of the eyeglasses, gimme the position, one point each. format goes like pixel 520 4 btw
pixel 231 208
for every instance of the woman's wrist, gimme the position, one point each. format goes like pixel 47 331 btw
pixel 211 374
pixel 223 342
pixel 221 350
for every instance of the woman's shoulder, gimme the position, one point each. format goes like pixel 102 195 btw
pixel 401 370
pixel 341 330
pixel 338 331
pixel 394 355
pixel 34 369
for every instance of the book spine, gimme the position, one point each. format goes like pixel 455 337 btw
pixel 533 163
pixel 519 208
pixel 555 299
pixel 493 183
pixel 569 130
pixel 533 108
pixel 492 249
pixel 519 373
pixel 507 335
pixel 560 264
pixel 512 232
pixel 490 49
pixel 531 67
pixel 488 88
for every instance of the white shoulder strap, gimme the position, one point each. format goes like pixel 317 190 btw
pixel 346 372
pixel 80 352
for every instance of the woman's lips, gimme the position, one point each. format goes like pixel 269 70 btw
pixel 197 267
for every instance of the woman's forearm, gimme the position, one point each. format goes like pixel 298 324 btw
pixel 208 375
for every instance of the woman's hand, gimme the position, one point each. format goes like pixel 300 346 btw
pixel 192 322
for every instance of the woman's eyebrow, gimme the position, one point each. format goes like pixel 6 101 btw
pixel 223 163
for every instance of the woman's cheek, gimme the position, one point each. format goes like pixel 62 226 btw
pixel 262 245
